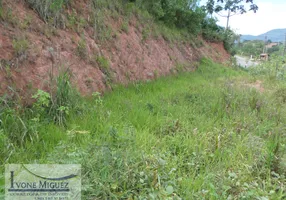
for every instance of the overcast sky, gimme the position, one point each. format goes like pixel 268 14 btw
pixel 270 15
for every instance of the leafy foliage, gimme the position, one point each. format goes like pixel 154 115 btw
pixel 249 48
pixel 56 105
pixel 214 33
pixel 103 62
pixel 211 31
pixel 273 49
pixel 235 6
pixel 63 99
pixel 229 38
pixel 183 14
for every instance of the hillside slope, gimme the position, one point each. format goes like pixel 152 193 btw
pixel 275 35
pixel 33 52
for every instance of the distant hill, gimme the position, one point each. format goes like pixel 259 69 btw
pixel 275 35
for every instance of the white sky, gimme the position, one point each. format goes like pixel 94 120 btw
pixel 270 15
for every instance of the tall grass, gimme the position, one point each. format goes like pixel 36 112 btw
pixel 275 68
pixel 50 10
pixel 201 135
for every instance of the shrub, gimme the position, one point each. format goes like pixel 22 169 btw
pixel 228 41
pixel 104 66
pixel 181 14
pixel 63 99
pixel 56 105
pixel 211 31
pixel 103 62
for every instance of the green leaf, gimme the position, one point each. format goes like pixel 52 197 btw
pixel 169 189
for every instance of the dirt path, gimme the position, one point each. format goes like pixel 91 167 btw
pixel 245 62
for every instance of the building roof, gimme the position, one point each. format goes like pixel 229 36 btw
pixel 272 44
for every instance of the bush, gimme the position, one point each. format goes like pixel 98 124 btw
pixel 181 14
pixel 211 31
pixel 273 49
pixel 63 100
pixel 56 105
pixel 104 66
pixel 254 47
pixel 103 62
pixel 228 41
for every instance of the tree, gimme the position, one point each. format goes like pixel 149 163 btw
pixel 233 7
pixel 184 14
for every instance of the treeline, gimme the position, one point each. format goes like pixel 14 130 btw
pixel 184 14
pixel 256 47
pixel 189 15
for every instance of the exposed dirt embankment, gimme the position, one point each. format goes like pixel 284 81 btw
pixel 31 52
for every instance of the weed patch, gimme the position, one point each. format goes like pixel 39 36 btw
pixel 181 137
pixel 49 10
pixel 104 66
pixel 81 50
pixel 20 46
pixel 125 26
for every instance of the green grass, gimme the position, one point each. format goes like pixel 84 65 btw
pixel 201 135
pixel 20 45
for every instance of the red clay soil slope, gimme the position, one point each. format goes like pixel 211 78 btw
pixel 31 52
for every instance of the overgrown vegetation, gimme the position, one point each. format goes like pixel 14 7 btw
pixel 81 50
pixel 187 16
pixel 256 47
pixel 205 134
pixel 273 69
pixel 181 14
pixel 99 10
pixel 104 66
pixel 211 31
pixel 20 45
pixel 214 33
pixel 50 10
pixel 183 20
pixel 103 62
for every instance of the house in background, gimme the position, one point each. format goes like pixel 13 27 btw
pixel 272 44
pixel 264 56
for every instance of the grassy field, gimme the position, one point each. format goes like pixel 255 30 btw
pixel 204 135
